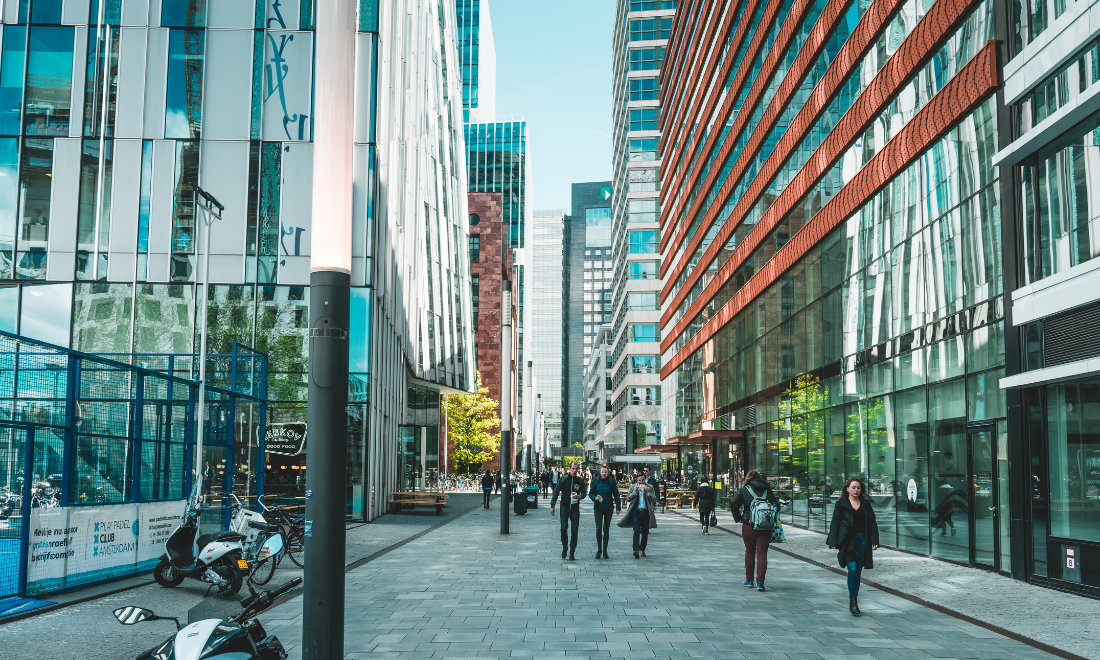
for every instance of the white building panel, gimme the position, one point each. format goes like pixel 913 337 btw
pixel 160 207
pixel 73 12
pixel 131 83
pixel 121 266
pixel 64 200
pixel 224 174
pixel 231 14
pixel 76 97
pixel 227 88
pixel 156 82
pixel 125 197
pixel 296 200
pixel 364 84
pixel 134 12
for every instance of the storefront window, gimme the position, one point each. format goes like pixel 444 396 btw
pixel 911 427
pixel 1073 440
pixel 948 458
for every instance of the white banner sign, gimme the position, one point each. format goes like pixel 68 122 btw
pixel 75 545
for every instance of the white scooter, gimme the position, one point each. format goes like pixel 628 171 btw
pixel 213 558
pixel 213 632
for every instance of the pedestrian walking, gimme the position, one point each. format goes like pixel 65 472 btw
pixel 571 488
pixel 487 487
pixel 705 499
pixel 754 507
pixel 544 481
pixel 496 482
pixel 641 513
pixel 604 494
pixel 650 480
pixel 853 529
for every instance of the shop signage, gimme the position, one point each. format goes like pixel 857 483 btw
pixel 286 439
pixel 1071 563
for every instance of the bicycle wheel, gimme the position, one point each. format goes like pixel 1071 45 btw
pixel 296 547
pixel 264 569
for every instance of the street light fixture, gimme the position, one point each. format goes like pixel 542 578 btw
pixel 208 209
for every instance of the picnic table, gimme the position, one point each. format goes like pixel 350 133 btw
pixel 436 498
pixel 676 496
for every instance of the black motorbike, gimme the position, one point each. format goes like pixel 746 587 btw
pixel 210 634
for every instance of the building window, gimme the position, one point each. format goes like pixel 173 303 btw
pixel 644 301
pixel 645 396
pixel 643 180
pixel 1074 415
pixel 647 59
pixel 646 332
pixel 643 210
pixel 474 219
pixel 644 119
pixel 475 287
pixel 645 89
pixel 643 270
pixel 651 5
pixel 475 248
pixel 649 29
pixel 643 149
pixel 645 364
pixel 643 242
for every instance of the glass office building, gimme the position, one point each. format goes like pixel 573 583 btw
pixel 641 38
pixel 115 111
pixel 549 302
pixel 833 262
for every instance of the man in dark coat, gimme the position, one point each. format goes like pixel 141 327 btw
pixel 544 480
pixel 705 499
pixel 572 489
pixel 641 513
pixel 605 497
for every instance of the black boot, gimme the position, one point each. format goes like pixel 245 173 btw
pixel 853 605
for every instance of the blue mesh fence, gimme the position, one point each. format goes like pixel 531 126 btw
pixel 113 446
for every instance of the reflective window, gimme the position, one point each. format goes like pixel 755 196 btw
pixel 35 182
pixel 94 215
pixel 644 301
pixel 647 59
pixel 475 248
pixel 11 78
pixel 49 80
pixel 45 313
pixel 47 11
pixel 645 364
pixel 643 180
pixel 651 28
pixel 643 149
pixel 643 242
pixel 182 13
pixel 9 203
pixel 101 82
pixel 650 5
pixel 645 89
pixel 183 98
pixel 646 332
pixel 1073 415
pixel 643 270
pixel 644 119
pixel 101 317
pixel 9 307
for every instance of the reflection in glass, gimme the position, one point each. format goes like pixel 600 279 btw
pixel 35 185
pixel 183 210
pixel 101 83
pixel 46 11
pixel 9 307
pixel 101 317
pixel 950 526
pixel 911 460
pixel 985 398
pixel 9 202
pixel 49 80
pixel 183 98
pixel 164 318
pixel 282 324
pixel 45 312
pixel 11 78
pixel 93 224
pixel 1073 418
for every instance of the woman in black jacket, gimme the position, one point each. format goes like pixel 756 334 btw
pixel 853 529
pixel 705 498
pixel 487 487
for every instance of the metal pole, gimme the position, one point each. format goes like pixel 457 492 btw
pixel 505 401
pixel 329 322
pixel 209 219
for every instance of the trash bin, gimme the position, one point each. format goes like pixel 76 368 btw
pixel 519 503
pixel 531 493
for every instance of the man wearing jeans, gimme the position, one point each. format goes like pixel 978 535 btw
pixel 605 497
pixel 572 489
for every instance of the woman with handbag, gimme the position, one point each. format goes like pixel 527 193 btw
pixel 705 498
pixel 854 534
pixel 755 506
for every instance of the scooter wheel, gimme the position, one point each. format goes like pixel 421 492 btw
pixel 229 571
pixel 166 576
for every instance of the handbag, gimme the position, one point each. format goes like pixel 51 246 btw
pixel 842 530
pixel 713 520
pixel 777 533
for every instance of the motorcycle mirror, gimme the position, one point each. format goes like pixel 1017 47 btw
pixel 130 615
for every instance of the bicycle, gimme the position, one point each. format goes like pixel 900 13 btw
pixel 263 544
pixel 293 529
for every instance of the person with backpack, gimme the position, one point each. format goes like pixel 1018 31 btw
pixel 754 506
pixel 852 530
pixel 604 494
pixel 705 499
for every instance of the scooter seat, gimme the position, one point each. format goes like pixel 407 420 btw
pixel 262 526
pixel 218 536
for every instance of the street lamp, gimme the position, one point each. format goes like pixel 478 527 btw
pixel 204 201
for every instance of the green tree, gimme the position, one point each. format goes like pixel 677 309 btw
pixel 473 424
pixel 566 461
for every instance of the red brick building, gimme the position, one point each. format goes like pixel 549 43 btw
pixel 490 266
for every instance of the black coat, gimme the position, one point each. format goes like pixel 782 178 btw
pixel 705 498
pixel 565 489
pixel 487 482
pixel 739 506
pixel 842 512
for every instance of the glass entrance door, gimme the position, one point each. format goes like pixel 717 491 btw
pixel 983 497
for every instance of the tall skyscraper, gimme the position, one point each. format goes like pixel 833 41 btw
pixel 116 115
pixel 831 236
pixel 590 269
pixel 640 40
pixel 549 310
pixel 496 158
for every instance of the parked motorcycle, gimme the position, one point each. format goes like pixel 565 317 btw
pixel 213 558
pixel 263 542
pixel 239 637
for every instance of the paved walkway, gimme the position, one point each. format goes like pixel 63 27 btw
pixel 88 631
pixel 463 590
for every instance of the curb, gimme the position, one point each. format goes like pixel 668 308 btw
pixel 1053 650
pixel 57 606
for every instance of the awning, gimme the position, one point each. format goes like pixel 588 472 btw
pixel 637 458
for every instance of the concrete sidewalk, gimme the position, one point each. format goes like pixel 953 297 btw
pixel 466 591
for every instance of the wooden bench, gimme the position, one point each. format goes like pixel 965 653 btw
pixel 438 500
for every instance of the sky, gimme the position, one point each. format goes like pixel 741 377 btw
pixel 554 68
